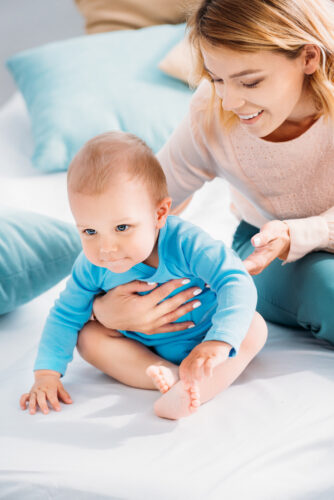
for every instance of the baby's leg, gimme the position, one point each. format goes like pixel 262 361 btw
pixel 177 402
pixel 125 359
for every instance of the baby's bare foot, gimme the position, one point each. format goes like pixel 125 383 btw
pixel 180 401
pixel 163 377
pixel 194 396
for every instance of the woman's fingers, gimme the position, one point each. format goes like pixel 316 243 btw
pixel 160 293
pixel 178 300
pixel 136 286
pixel 175 312
pixel 257 261
pixel 274 234
pixel 173 327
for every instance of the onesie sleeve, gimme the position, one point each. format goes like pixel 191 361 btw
pixel 70 312
pixel 224 272
pixel 185 158
pixel 311 234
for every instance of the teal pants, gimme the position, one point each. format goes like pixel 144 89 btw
pixel 298 294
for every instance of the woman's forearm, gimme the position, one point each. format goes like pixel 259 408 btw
pixel 311 234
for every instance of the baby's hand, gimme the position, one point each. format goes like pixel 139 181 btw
pixel 47 387
pixel 202 360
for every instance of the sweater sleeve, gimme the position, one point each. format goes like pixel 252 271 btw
pixel 69 314
pixel 224 272
pixel 311 234
pixel 185 157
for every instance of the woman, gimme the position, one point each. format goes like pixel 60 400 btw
pixel 263 119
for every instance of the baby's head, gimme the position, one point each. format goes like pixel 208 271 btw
pixel 118 196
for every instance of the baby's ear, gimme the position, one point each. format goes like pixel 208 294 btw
pixel 162 211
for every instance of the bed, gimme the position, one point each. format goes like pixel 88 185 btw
pixel 268 437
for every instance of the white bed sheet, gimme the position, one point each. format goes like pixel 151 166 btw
pixel 268 437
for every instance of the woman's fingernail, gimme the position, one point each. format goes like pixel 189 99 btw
pixel 185 282
pixel 257 241
pixel 197 304
pixel 151 283
pixel 197 291
pixel 191 326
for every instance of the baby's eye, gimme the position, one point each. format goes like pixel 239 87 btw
pixel 122 227
pixel 90 232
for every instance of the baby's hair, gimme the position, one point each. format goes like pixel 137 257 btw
pixel 281 26
pixel 111 155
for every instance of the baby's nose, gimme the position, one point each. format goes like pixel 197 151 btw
pixel 108 248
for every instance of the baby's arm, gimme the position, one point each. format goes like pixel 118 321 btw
pixel 70 312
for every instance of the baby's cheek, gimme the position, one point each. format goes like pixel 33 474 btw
pixel 142 250
pixel 91 253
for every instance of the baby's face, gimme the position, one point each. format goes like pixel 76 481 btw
pixel 118 228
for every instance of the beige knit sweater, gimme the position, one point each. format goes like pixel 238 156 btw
pixel 291 181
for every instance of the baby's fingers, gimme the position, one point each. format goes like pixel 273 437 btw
pixel 41 400
pixel 23 400
pixel 32 403
pixel 53 398
pixel 208 367
pixel 64 395
pixel 197 369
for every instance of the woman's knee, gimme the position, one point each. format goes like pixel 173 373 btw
pixel 317 314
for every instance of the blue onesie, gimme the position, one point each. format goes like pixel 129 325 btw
pixel 184 250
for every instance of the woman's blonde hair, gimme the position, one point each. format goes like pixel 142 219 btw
pixel 281 26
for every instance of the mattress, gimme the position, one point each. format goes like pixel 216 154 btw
pixel 270 436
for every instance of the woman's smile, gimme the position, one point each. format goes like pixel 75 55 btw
pixel 250 118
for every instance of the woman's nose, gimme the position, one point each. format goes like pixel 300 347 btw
pixel 231 99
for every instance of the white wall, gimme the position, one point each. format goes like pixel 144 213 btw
pixel 29 23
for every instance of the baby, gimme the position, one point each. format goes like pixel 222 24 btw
pixel 118 196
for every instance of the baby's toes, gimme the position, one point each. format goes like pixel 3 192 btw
pixel 194 396
pixel 160 378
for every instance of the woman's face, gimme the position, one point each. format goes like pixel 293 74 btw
pixel 265 89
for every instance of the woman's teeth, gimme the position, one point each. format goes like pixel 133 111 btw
pixel 248 117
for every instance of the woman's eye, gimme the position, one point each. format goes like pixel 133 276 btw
pixel 122 227
pixel 216 80
pixel 251 85
pixel 90 232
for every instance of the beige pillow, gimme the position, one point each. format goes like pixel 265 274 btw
pixel 179 62
pixel 109 15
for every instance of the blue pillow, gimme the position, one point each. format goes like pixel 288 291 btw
pixel 35 253
pixel 78 88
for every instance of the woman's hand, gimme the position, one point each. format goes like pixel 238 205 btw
pixel 271 242
pixel 47 387
pixel 122 308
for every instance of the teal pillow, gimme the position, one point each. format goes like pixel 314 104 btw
pixel 35 253
pixel 78 88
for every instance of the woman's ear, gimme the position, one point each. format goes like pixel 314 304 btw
pixel 162 211
pixel 311 58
